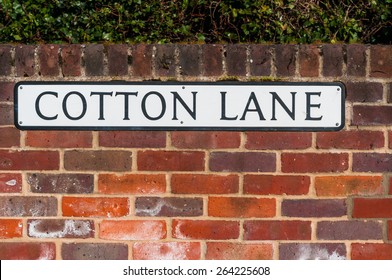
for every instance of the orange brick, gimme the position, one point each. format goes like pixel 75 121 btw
pixel 132 184
pixel 205 229
pixel 132 230
pixel 10 228
pixel 236 251
pixel 348 185
pixel 59 139
pixel 241 207
pixel 166 251
pixel 95 207
pixel 371 251
pixel 204 184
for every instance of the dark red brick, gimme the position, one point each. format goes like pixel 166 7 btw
pixel 59 139
pixel 10 183
pixel 10 137
pixel 204 184
pixel 93 59
pixel 381 61
pixel 29 160
pixel 165 60
pixel 239 251
pixel 356 60
pixel 71 60
pixel 276 185
pixel 7 91
pixel 117 59
pixel 242 162
pixel 132 139
pixel 142 60
pixel 94 251
pixel 166 251
pixel 372 208
pixel 349 230
pixel 260 60
pixel 24 60
pixel 371 251
pixel 285 60
pixel 372 115
pixel 332 60
pixel 277 230
pixel 236 58
pixel 389 230
pixel 189 60
pixel 372 162
pixel 355 139
pixel 27 251
pixel 314 208
pixel 98 160
pixel 168 207
pixel 309 60
pixel 25 206
pixel 56 228
pixel 312 251
pixel 170 161
pixel 49 60
pixel 205 139
pixel 278 140
pixel 6 114
pixel 305 162
pixel 364 91
pixel 212 61
pixel 60 183
pixel 5 60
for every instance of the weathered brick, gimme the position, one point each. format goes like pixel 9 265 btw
pixel 170 161
pixel 356 60
pixel 166 251
pixel 189 60
pixel 348 185
pixel 332 60
pixel 371 251
pixel 305 162
pixel 372 208
pixel 7 91
pixel 364 91
pixel 93 59
pixel 25 206
pixel 6 114
pixel 59 139
pixel 10 137
pixel 11 228
pixel 132 230
pixel 389 93
pixel 5 60
pixel 55 228
pixel 241 207
pixel 239 251
pixel 24 60
pixel 243 162
pixel 168 207
pixel 236 58
pixel 389 230
pixel 372 115
pixel 95 206
pixel 390 139
pixel 94 251
pixel 381 61
pixel 204 184
pixel 285 60
pixel 29 160
pixel 49 60
pixel 60 183
pixel 165 60
pixel 132 183
pixel 205 139
pixel 349 230
pixel 278 140
pixel 132 139
pixel 205 229
pixel 356 139
pixel 27 251
pixel 312 251
pixel 71 58
pixel 117 59
pixel 260 60
pixel 212 59
pixel 142 60
pixel 276 184
pixel 372 162
pixel 99 160
pixel 10 183
pixel 277 230
pixel 309 60
pixel 314 207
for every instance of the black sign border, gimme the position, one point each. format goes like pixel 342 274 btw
pixel 178 128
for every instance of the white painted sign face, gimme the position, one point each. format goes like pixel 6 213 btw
pixel 179 106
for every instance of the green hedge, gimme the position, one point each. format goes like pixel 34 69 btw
pixel 162 21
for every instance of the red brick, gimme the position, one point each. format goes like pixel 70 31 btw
pixel 332 60
pixel 348 185
pixel 205 139
pixel 260 60
pixel 278 140
pixel 7 91
pixel 349 230
pixel 28 206
pixel 94 251
pixel 314 208
pixel 373 162
pixel 204 184
pixel 117 59
pixel 170 161
pixel 95 206
pixel 10 183
pixel 312 251
pixel 189 59
pixel 309 57
pixel 166 251
pixel 205 229
pixel 71 58
pixel 132 183
pixel 27 251
pixel 372 208
pixel 55 228
pixel 364 91
pixel 239 251
pixel 132 230
pixel 305 162
pixel 285 59
pixel 165 60
pixel 24 60
pixel 390 139
pixel 60 183
pixel 242 162
pixel 381 61
pixel 10 228
pixel 236 58
pixel 241 207
pixel 142 60
pixel 168 206
pixel 6 114
pixel 276 184
pixel 29 160
pixel 93 59
pixel 356 60
pixel 372 115
pixel 10 137
pixel 59 139
pixel 49 60
pixel 99 160
pixel 357 139
pixel 277 230
pixel 212 59
pixel 371 251
pixel 5 60
pixel 389 230
pixel 132 139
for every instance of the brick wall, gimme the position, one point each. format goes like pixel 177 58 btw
pixel 199 195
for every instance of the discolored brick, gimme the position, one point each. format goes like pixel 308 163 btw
pixel 5 60
pixel 372 162
pixel 94 251
pixel 165 60
pixel 98 160
pixel 170 161
pixel 10 182
pixel 49 60
pixel 24 60
pixel 312 251
pixel 349 230
pixel 6 114
pixel 25 206
pixel 242 162
pixel 56 228
pixel 241 207
pixel 11 228
pixel 189 60
pixel 168 207
pixel 260 60
pixel 356 60
pixel 132 230
pixel 236 251
pixel 27 251
pixel 314 207
pixel 285 60
pixel 93 59
pixel 60 183
pixel 71 60
pixel 332 60
pixel 166 251
pixel 142 60
pixel 95 206
pixel 117 59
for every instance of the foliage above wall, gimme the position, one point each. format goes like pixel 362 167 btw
pixel 162 21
